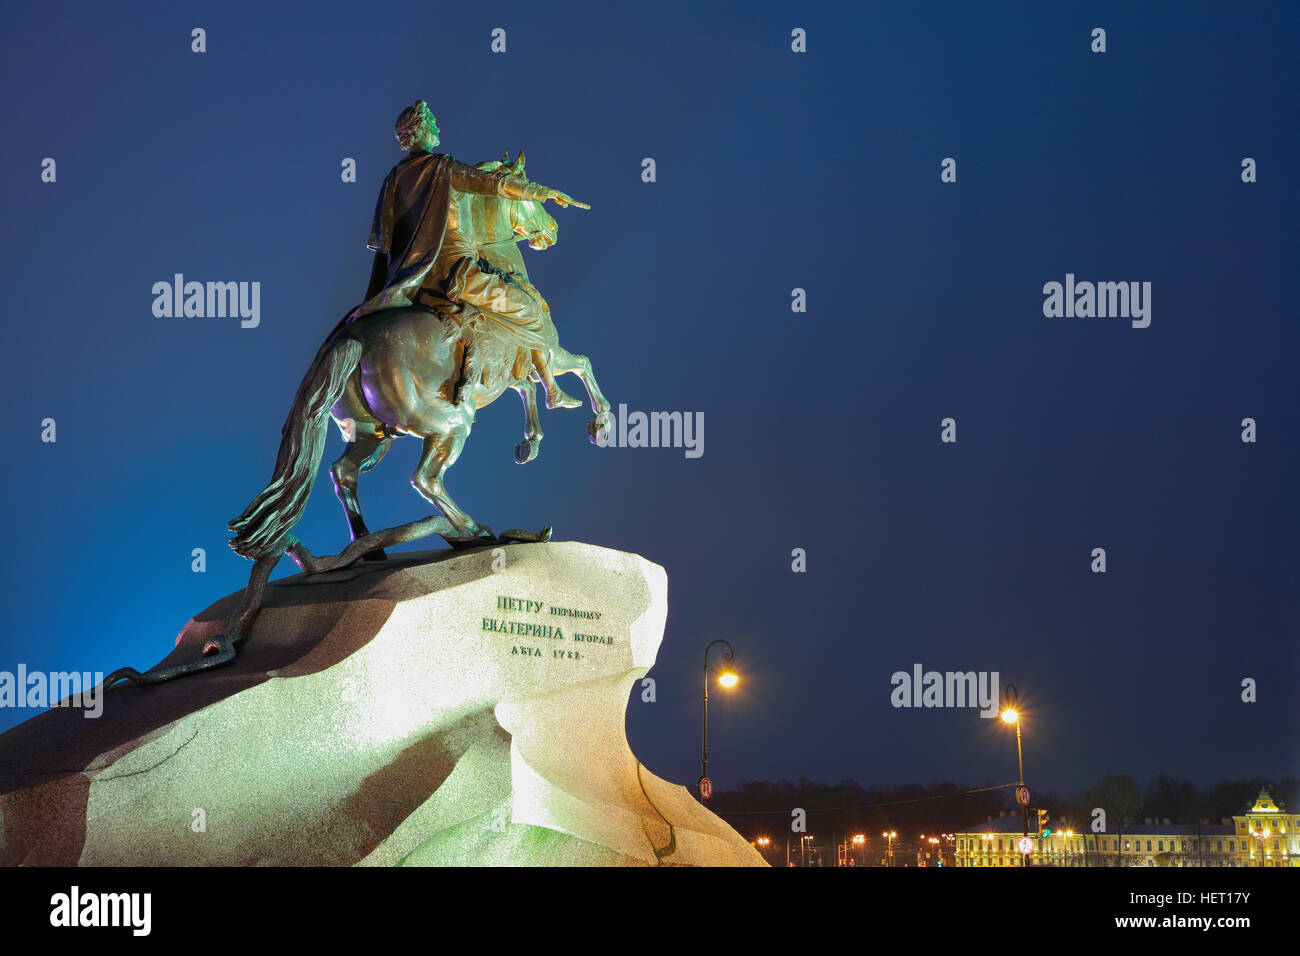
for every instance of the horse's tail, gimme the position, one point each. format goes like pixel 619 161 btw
pixel 260 530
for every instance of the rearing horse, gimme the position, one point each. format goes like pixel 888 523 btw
pixel 404 372
pixel 400 371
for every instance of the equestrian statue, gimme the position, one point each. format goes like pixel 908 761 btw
pixel 450 321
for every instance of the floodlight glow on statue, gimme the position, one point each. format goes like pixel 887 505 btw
pixel 450 321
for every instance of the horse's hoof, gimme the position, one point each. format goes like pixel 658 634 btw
pixel 527 450
pixel 598 430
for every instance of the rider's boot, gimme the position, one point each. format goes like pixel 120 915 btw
pixel 555 396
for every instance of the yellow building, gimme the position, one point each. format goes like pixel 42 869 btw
pixel 1265 835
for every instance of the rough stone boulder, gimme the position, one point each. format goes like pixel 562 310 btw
pixel 431 709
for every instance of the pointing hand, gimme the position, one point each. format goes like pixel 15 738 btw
pixel 564 199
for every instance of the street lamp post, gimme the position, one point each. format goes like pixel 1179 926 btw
pixel 727 679
pixel 1011 716
pixel 1261 838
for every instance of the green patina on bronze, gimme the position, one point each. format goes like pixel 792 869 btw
pixel 450 322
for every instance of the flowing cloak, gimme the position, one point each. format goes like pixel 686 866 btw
pixel 410 229
pixel 409 225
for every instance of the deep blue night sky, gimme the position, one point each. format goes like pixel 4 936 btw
pixel 775 170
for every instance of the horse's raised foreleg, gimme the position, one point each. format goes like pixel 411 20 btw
pixel 527 450
pixel 556 397
pixel 360 455
pixel 564 361
pixel 440 453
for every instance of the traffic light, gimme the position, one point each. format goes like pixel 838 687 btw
pixel 1042 823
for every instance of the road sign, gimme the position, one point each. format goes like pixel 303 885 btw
pixel 1025 845
pixel 1022 796
pixel 706 788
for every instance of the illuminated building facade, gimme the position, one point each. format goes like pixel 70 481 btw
pixel 1265 835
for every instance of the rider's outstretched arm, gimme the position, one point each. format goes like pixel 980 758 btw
pixel 516 187
pixel 470 179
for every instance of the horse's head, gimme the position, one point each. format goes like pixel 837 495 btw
pixel 520 217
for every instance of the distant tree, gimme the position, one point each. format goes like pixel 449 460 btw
pixel 1176 799
pixel 1231 797
pixel 1119 796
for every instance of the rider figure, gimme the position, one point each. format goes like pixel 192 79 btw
pixel 422 256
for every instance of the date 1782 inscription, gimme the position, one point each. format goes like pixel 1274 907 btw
pixel 546 623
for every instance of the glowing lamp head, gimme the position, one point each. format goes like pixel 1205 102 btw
pixel 728 679
pixel 1010 716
